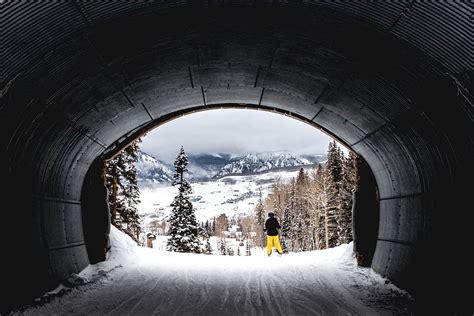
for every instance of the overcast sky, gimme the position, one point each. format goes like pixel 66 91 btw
pixel 235 132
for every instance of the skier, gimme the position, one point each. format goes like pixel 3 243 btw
pixel 271 227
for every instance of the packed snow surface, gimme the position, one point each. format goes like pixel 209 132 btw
pixel 145 281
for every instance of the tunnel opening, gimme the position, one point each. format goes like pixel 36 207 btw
pixel 362 223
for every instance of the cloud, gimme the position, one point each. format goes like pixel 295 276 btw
pixel 235 132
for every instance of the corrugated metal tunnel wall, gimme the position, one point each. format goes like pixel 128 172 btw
pixel 390 79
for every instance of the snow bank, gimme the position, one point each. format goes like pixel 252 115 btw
pixel 123 250
pixel 126 253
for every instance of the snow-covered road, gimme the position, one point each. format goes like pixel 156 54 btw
pixel 140 281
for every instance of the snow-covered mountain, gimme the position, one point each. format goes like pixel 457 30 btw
pixel 262 162
pixel 205 166
pixel 152 171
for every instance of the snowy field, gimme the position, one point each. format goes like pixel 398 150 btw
pixel 144 281
pixel 230 195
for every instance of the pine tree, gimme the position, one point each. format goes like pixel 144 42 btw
pixel 335 172
pixel 290 230
pixel 208 228
pixel 334 164
pixel 131 191
pixel 348 186
pixel 286 222
pixel 301 179
pixel 260 220
pixel 222 245
pixel 124 193
pixel 314 228
pixel 184 228
pixel 213 227
pixel 301 218
pixel 208 248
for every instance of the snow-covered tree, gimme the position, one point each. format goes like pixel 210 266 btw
pixel 208 248
pixel 289 223
pixel 286 219
pixel 314 210
pixel 334 164
pixel 124 194
pixel 184 229
pixel 260 220
pixel 208 228
pixel 348 186
pixel 222 246
pixel 213 226
pixel 301 217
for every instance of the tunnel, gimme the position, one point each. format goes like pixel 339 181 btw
pixel 391 80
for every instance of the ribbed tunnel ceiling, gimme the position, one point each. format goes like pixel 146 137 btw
pixel 390 79
pixel 443 31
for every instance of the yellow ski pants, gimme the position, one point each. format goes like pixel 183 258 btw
pixel 273 241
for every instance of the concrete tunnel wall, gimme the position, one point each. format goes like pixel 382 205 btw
pixel 80 78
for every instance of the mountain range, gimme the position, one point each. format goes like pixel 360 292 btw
pixel 203 167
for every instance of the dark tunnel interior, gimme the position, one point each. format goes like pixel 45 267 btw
pixel 392 80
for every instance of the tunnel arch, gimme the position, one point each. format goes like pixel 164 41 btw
pixel 81 77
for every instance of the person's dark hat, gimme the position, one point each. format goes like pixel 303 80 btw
pixel 271 214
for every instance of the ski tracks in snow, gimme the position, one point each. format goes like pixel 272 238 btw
pixel 186 284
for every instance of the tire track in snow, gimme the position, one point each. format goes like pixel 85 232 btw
pixel 218 291
pixel 205 296
pixel 293 285
pixel 304 299
pixel 197 296
pixel 248 294
pixel 268 301
pixel 145 305
pixel 185 298
pixel 279 290
pixel 256 301
pixel 274 295
pixel 96 299
pixel 309 295
pixel 169 292
pixel 240 292
pixel 131 303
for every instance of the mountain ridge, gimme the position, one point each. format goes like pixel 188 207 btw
pixel 262 162
pixel 205 167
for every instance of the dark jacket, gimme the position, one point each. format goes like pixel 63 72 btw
pixel 272 226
